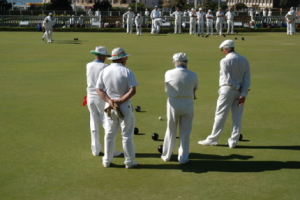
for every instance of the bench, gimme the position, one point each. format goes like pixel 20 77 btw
pixel 23 23
pixel 111 19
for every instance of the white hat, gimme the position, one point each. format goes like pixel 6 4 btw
pixel 138 14
pixel 129 8
pixel 192 9
pixel 227 43
pixel 146 8
pixel 100 51
pixel 50 14
pixel 118 53
pixel 200 8
pixel 209 11
pixel 72 15
pixel 155 6
pixel 81 15
pixel 180 57
pixel 292 8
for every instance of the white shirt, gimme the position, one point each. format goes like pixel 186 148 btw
pixel 200 16
pixel 264 13
pixel 93 70
pixel 230 15
pixel 185 13
pixel 48 26
pixel 193 18
pixel 270 13
pixel 235 72
pixel 209 15
pixel 129 15
pixel 155 14
pixel 72 21
pixel 220 13
pixel 116 80
pixel 147 13
pixel 90 13
pixel 177 15
pixel 251 13
pixel 180 83
pixel 158 22
pixel 138 21
pixel 97 13
pixel 80 20
pixel 257 12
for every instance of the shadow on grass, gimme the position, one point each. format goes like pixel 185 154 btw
pixel 140 134
pixel 265 147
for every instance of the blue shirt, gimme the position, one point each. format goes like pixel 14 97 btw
pixel 98 61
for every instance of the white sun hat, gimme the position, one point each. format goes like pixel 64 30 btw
pixel 200 8
pixel 180 57
pixel 118 53
pixel 100 51
pixel 227 43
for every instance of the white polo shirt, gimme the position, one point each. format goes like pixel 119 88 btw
pixel 200 16
pixel 177 15
pixel 129 15
pixel 138 21
pixel 235 72
pixel 116 80
pixel 220 13
pixel 180 83
pixel 193 18
pixel 93 70
pixel 230 15
pixel 209 15
pixel 155 14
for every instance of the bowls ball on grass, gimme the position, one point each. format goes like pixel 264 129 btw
pixel 138 109
pixel 160 149
pixel 136 131
pixel 155 136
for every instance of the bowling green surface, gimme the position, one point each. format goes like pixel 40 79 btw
pixel 45 139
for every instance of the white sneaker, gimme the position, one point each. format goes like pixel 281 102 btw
pixel 106 165
pixel 131 165
pixel 207 143
pixel 117 153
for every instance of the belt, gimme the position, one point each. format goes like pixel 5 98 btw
pixel 116 108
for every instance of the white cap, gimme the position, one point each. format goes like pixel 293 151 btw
pixel 209 11
pixel 155 6
pixel 138 14
pixel 72 15
pixel 292 8
pixel 200 8
pixel 118 53
pixel 129 8
pixel 192 9
pixel 50 14
pixel 227 43
pixel 180 57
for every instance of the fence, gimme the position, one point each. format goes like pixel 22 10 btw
pixel 14 20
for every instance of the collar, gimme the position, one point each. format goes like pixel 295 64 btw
pixel 98 61
pixel 183 67
pixel 230 54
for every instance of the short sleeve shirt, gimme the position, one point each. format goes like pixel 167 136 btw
pixel 116 80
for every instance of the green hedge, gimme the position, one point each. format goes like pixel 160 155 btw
pixel 170 30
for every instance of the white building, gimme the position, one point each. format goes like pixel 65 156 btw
pixel 255 3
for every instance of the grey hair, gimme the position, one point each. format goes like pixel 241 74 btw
pixel 182 63
pixel 99 57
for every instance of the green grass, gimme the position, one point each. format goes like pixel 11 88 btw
pixel 45 139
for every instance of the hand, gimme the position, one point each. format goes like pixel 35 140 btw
pixel 241 100
pixel 111 103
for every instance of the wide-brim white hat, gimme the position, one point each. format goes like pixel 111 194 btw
pixel 118 53
pixel 180 57
pixel 227 43
pixel 100 51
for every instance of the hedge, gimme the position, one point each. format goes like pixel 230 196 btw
pixel 170 30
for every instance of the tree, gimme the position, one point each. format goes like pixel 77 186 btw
pixel 61 4
pixel 4 5
pixel 188 6
pixel 140 6
pixel 288 3
pixel 177 4
pixel 240 6
pixel 102 6
pixel 210 5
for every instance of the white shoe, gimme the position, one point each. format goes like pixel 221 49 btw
pixel 106 165
pixel 131 165
pixel 229 146
pixel 207 143
pixel 117 153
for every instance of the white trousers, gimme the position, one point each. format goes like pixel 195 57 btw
pixel 290 28
pixel 209 26
pixel 157 28
pixel 230 24
pixel 179 110
pixel 200 26
pixel 129 25
pixel 96 107
pixel 219 26
pixel 48 34
pixel 152 26
pixel 111 130
pixel 192 27
pixel 138 29
pixel 227 101
pixel 294 26
pixel 177 25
